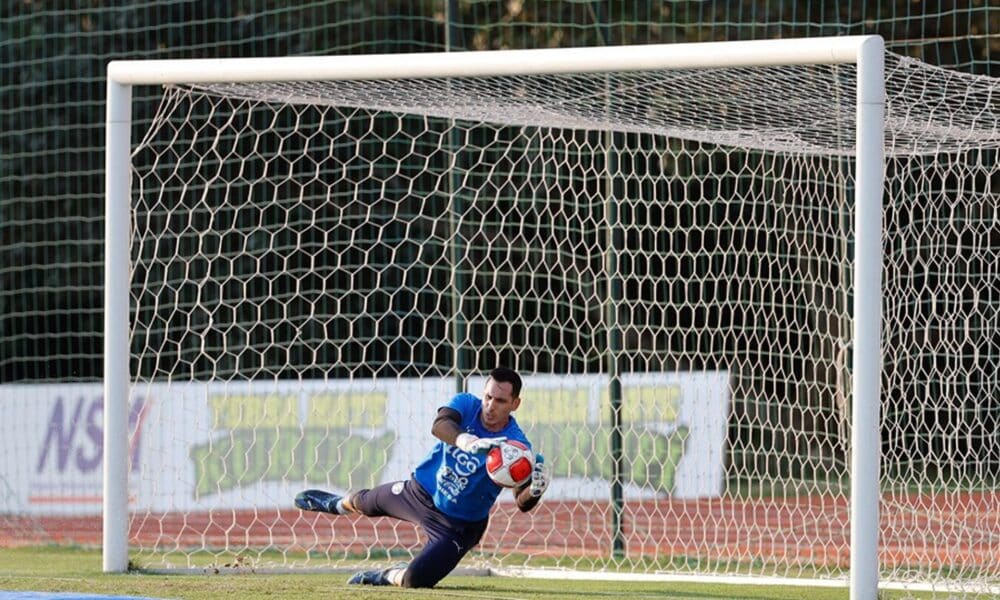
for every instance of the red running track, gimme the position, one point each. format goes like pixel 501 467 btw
pixel 933 531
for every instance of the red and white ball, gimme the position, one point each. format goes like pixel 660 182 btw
pixel 510 464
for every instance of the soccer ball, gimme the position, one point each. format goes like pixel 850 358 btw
pixel 510 464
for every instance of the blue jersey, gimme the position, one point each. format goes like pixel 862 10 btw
pixel 457 480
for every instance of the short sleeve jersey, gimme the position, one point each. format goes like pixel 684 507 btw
pixel 457 480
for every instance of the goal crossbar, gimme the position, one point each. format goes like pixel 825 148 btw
pixel 807 51
pixel 866 52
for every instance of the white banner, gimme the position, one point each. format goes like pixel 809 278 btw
pixel 216 446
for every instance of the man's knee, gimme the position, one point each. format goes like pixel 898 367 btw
pixel 414 579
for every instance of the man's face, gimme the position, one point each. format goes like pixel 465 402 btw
pixel 498 403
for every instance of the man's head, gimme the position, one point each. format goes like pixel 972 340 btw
pixel 501 397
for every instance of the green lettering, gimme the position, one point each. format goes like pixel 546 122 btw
pixel 333 457
pixel 207 467
pixel 651 458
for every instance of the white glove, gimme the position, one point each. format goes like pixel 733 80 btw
pixel 477 445
pixel 539 477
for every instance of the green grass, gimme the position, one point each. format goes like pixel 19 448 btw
pixel 61 569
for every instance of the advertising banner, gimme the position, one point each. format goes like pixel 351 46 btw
pixel 210 446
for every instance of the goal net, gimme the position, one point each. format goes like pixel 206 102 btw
pixel 666 256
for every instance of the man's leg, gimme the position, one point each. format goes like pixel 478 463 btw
pixel 387 500
pixel 448 541
pixel 438 558
pixel 396 499
pixel 399 500
pixel 366 502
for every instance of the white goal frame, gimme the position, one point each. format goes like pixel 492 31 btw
pixel 867 52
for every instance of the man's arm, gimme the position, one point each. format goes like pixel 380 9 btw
pixel 529 494
pixel 447 425
pixel 525 501
pixel 448 428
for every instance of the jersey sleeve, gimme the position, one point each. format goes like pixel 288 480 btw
pixel 465 404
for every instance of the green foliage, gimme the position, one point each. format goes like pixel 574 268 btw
pixel 52 128
pixel 53 56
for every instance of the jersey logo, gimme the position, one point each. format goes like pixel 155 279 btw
pixel 397 488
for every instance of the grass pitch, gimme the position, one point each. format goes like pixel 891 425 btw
pixel 60 569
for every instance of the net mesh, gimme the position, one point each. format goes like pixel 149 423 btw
pixel 314 266
pixel 728 106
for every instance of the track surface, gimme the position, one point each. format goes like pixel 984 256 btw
pixel 960 531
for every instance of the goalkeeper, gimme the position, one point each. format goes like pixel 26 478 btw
pixel 450 493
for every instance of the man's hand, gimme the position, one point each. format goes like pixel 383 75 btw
pixel 477 445
pixel 539 477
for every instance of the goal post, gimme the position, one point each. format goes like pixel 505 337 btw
pixel 867 363
pixel 117 281
pixel 866 53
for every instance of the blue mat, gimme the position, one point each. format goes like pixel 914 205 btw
pixel 63 596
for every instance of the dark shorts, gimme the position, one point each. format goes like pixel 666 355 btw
pixel 448 538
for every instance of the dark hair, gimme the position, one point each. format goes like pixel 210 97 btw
pixel 505 375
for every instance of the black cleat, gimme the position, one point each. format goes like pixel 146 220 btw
pixel 318 500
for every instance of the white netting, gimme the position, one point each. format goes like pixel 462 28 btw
pixel 313 264
pixel 731 106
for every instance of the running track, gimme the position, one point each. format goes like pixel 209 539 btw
pixel 932 531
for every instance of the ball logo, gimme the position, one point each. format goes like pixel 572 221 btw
pixel 510 464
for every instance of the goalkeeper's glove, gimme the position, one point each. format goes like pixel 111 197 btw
pixel 539 477
pixel 475 444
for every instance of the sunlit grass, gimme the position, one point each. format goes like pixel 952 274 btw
pixel 61 569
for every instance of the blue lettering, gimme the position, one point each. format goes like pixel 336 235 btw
pixel 59 434
pixel 96 435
